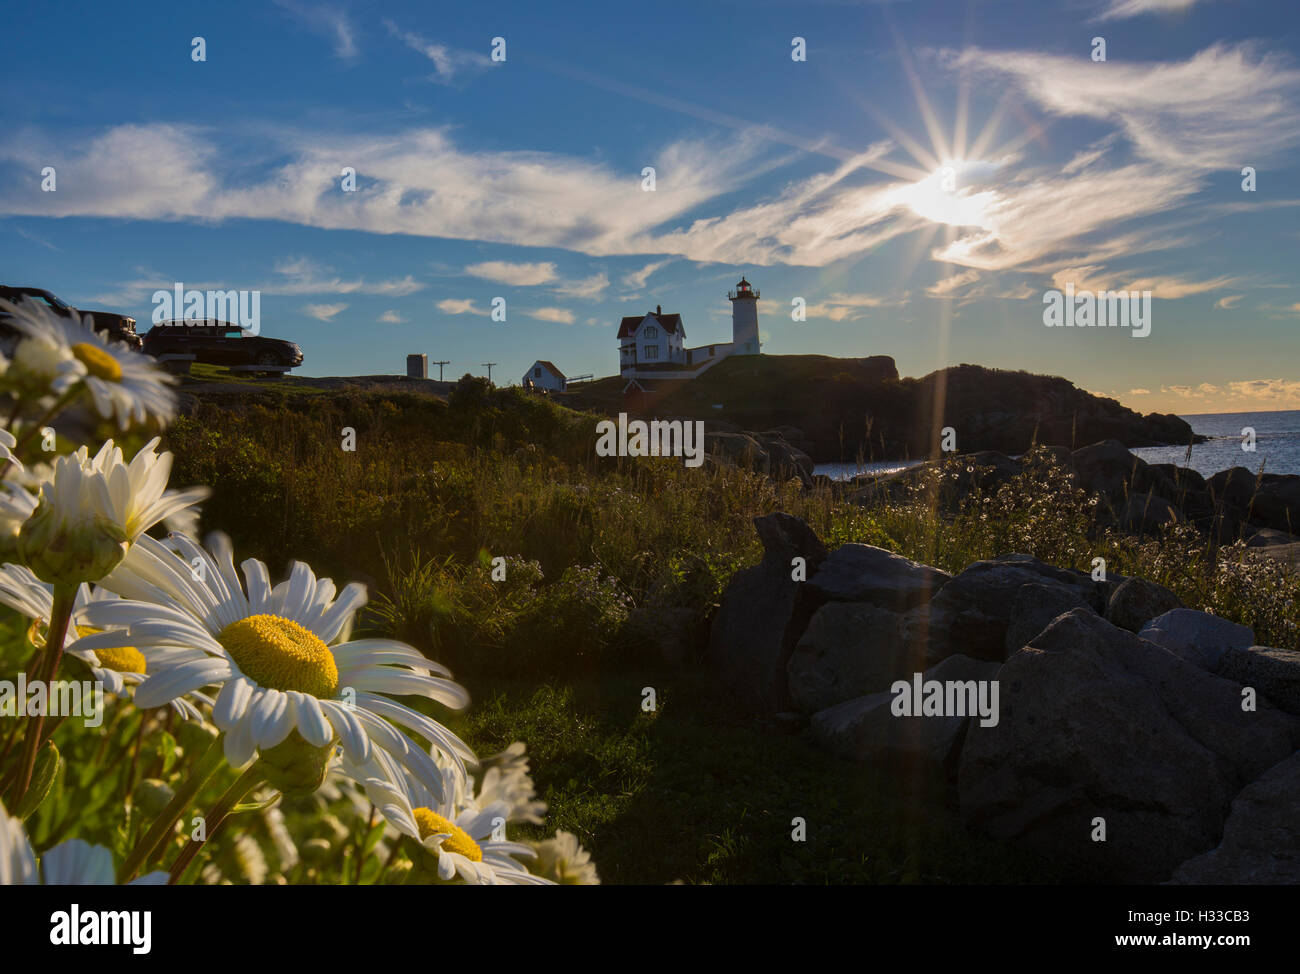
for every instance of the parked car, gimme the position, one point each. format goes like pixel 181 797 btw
pixel 113 326
pixel 220 343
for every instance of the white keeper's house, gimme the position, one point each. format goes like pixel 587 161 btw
pixel 653 346
pixel 544 375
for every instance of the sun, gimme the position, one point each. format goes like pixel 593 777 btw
pixel 949 195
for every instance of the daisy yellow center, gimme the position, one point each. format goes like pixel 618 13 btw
pixel 123 659
pixel 278 653
pixel 431 823
pixel 98 362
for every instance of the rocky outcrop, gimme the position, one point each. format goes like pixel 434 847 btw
pixel 973 613
pixel 867 728
pixel 1100 727
pixel 1197 637
pixel 865 573
pixel 1261 838
pixel 763 613
pixel 849 650
pixel 1273 672
pixel 1136 601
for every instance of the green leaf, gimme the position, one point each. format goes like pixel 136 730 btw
pixel 46 769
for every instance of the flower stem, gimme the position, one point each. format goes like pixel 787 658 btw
pixel 216 818
pixel 149 847
pixel 65 597
pixel 38 425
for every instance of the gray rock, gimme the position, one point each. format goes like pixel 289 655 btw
pixel 763 614
pixel 1198 637
pixel 865 573
pixel 866 729
pixel 972 613
pixel 1261 839
pixel 1035 606
pixel 1278 503
pixel 1147 514
pixel 1235 487
pixel 1273 672
pixel 849 650
pixel 1137 601
pixel 1095 722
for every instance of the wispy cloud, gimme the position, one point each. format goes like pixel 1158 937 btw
pixel 504 272
pixel 392 318
pixel 561 315
pixel 460 306
pixel 850 307
pixel 1169 288
pixel 302 275
pixel 324 312
pixel 1228 301
pixel 325 19
pixel 637 279
pixel 1123 9
pixel 587 287
pixel 448 63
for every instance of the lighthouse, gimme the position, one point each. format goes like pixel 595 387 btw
pixel 744 319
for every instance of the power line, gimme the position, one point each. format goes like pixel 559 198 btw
pixel 440 365
pixel 488 366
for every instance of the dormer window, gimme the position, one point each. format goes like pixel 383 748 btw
pixel 651 331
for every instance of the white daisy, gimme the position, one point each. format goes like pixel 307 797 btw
pixel 505 779
pixel 93 508
pixel 459 838
pixel 123 384
pixel 72 863
pixel 563 860
pixel 115 668
pixel 278 655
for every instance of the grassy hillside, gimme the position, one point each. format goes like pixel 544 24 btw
pixel 614 568
pixel 860 407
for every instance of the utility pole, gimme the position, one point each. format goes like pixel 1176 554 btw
pixel 440 365
pixel 488 366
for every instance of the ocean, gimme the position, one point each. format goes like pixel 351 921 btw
pixel 1277 443
pixel 1277 447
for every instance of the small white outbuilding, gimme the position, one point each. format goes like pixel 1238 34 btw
pixel 544 375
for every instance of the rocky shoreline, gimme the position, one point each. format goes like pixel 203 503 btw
pixel 1133 496
pixel 1135 740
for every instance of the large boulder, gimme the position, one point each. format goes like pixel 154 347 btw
pixel 1136 601
pixel 1097 723
pixel 1107 468
pixel 1273 672
pixel 1198 637
pixel 1261 838
pixel 739 449
pixel 849 649
pixel 867 729
pixel 972 613
pixel 1277 504
pixel 763 614
pixel 1036 606
pixel 1147 514
pixel 864 573
pixel 1234 487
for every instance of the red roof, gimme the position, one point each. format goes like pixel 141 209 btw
pixel 670 323
pixel 554 371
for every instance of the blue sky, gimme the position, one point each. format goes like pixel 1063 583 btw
pixel 820 179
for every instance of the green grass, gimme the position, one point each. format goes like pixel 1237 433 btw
pixel 559 654
pixel 695 793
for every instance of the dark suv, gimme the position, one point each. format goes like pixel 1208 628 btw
pixel 115 327
pixel 220 343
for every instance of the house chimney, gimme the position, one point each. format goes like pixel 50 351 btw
pixel 659 309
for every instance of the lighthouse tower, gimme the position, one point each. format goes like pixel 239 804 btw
pixel 744 319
